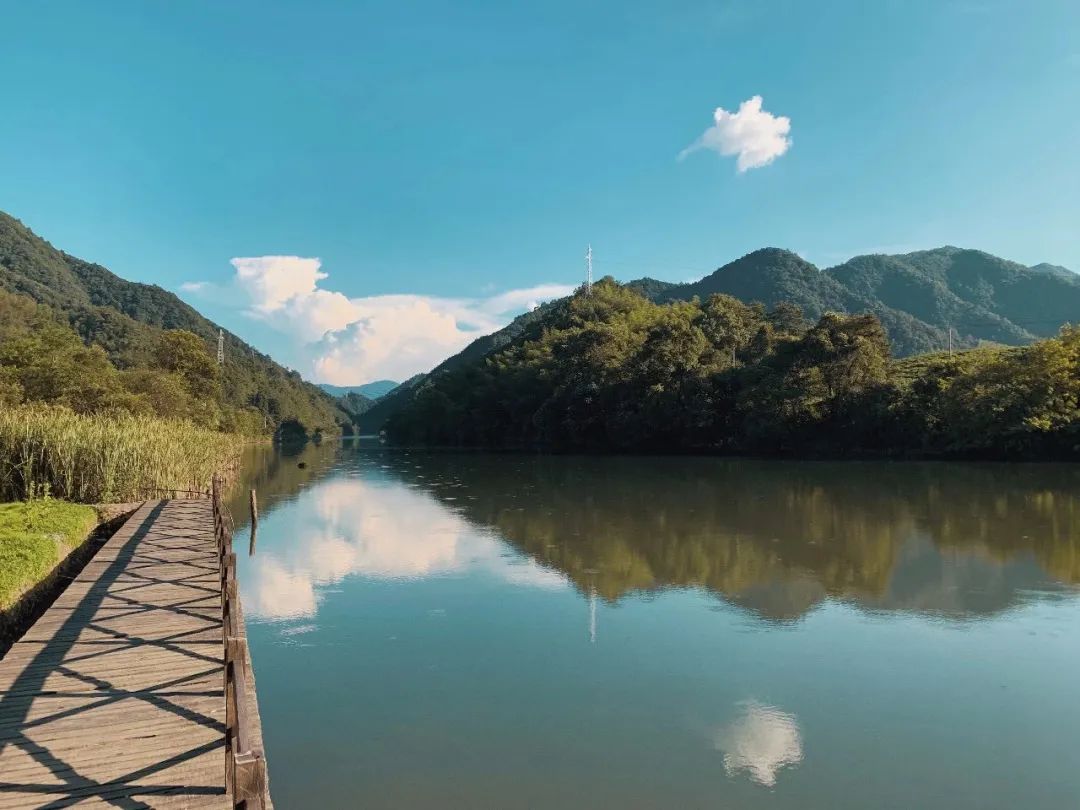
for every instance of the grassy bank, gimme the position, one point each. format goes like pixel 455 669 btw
pixel 34 538
pixel 102 458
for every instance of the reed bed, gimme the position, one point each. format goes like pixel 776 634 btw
pixel 103 458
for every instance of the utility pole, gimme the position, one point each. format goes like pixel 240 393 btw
pixel 950 340
pixel 220 347
pixel 588 270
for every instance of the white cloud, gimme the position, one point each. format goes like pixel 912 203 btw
pixel 529 298
pixel 274 281
pixel 755 136
pixel 354 340
pixel 761 741
pixel 195 286
pixel 394 337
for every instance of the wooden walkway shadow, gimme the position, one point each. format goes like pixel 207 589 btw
pixel 115 697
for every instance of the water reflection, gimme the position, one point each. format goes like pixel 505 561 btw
pixel 761 741
pixel 380 530
pixel 959 541
pixel 780 538
pixel 465 631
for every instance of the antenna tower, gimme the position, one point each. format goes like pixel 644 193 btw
pixel 588 270
pixel 220 347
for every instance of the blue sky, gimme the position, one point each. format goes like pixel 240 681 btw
pixel 447 163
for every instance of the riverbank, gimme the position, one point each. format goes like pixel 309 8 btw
pixel 42 544
pixel 54 463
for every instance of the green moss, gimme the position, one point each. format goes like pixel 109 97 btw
pixel 34 537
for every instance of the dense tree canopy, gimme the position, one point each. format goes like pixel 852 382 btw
pixel 149 332
pixel 43 360
pixel 612 370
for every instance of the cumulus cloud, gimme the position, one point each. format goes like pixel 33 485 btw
pixel 395 337
pixel 274 281
pixel 352 340
pixel 754 136
pixel 761 741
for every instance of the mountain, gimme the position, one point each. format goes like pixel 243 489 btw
pixel 127 319
pixel 981 296
pixel 920 298
pixel 608 370
pixel 355 403
pixel 1053 269
pixel 372 420
pixel 772 275
pixel 371 390
pixel 769 275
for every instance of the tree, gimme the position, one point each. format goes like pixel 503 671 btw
pixel 185 354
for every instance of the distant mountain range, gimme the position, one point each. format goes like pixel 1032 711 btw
pixel 126 319
pixel 371 390
pixel 919 297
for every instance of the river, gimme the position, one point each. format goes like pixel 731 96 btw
pixel 510 631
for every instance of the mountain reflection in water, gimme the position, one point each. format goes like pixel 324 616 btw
pixel 777 538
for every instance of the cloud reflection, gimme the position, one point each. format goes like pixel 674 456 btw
pixel 349 526
pixel 761 741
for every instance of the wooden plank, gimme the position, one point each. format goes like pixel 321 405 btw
pixel 116 696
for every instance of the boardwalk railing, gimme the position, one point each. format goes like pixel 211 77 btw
pixel 245 764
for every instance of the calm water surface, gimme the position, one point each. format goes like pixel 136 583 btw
pixel 476 631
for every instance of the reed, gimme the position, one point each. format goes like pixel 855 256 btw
pixel 102 458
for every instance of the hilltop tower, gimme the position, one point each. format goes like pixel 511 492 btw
pixel 588 270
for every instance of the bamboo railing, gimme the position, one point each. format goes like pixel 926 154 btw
pixel 245 763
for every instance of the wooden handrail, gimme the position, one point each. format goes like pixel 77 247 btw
pixel 245 764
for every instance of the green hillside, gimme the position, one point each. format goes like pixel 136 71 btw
pixel 917 296
pixel 127 320
pixel 610 370
pixel 355 403
pixel 373 419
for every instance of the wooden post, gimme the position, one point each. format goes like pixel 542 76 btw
pixel 250 776
pixel 254 523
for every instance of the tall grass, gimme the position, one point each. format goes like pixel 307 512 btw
pixel 105 458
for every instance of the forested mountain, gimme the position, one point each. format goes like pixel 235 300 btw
pixel 610 370
pixel 917 296
pixel 1053 269
pixel 354 403
pixel 127 320
pixel 372 420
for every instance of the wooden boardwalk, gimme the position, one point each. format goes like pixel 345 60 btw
pixel 116 697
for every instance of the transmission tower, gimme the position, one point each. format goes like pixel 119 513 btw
pixel 220 347
pixel 588 270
